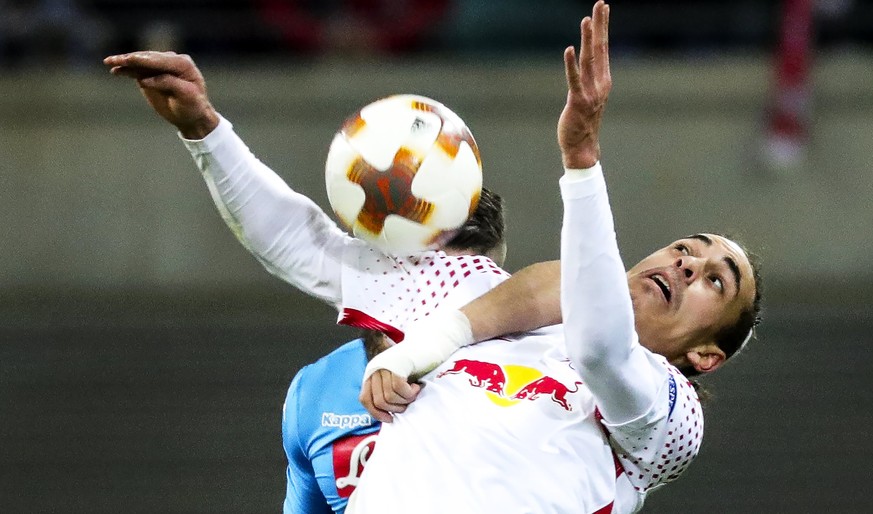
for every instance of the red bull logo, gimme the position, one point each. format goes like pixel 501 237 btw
pixel 550 387
pixel 481 374
pixel 509 384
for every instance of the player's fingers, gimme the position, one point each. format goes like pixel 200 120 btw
pixel 366 399
pixel 376 391
pixel 601 43
pixel 391 387
pixel 136 73
pixel 405 392
pixel 389 400
pixel 604 24
pixel 139 59
pixel 366 395
pixel 571 69
pixel 164 83
pixel 586 57
pixel 381 389
pixel 154 62
pixel 123 71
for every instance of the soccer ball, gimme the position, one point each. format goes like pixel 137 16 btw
pixel 404 174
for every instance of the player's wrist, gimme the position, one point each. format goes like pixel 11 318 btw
pixel 426 344
pixel 581 174
pixel 580 159
pixel 453 325
pixel 201 127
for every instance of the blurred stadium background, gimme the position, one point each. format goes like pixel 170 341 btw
pixel 144 355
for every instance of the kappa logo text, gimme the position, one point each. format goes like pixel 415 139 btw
pixel 329 419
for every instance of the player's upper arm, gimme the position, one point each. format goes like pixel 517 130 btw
pixel 302 495
pixel 287 232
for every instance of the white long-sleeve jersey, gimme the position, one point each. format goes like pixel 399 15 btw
pixel 295 240
pixel 578 418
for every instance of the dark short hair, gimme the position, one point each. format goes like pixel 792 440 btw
pixel 374 342
pixel 485 229
pixel 730 339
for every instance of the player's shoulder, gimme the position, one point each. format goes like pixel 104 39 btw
pixel 660 449
pixel 681 436
pixel 328 387
pixel 349 359
pixel 678 406
pixel 682 396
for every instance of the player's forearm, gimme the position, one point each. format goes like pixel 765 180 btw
pixel 598 315
pixel 287 232
pixel 530 299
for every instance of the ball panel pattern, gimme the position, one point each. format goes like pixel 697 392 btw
pixel 389 192
pixel 345 197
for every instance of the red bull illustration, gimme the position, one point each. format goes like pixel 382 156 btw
pixel 482 374
pixel 547 386
pixel 509 384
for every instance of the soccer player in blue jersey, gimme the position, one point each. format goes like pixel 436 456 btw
pixel 328 437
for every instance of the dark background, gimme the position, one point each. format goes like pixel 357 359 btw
pixel 161 414
pixel 144 357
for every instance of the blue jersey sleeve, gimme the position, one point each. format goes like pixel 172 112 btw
pixel 302 495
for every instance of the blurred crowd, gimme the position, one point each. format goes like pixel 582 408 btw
pixel 77 33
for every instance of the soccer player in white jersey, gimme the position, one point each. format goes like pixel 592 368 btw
pixel 328 438
pixel 582 418
pixel 684 293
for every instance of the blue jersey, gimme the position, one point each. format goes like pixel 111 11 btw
pixel 327 433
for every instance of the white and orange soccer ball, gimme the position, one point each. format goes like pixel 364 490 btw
pixel 404 174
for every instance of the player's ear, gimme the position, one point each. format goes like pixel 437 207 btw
pixel 706 358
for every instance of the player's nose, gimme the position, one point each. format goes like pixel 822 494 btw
pixel 689 267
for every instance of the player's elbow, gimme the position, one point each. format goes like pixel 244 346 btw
pixel 593 349
pixel 585 359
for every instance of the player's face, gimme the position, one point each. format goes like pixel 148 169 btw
pixel 685 293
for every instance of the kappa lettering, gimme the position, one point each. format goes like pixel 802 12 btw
pixel 329 419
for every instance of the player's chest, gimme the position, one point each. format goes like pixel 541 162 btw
pixel 514 381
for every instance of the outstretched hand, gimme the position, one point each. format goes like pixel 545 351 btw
pixel 588 86
pixel 173 86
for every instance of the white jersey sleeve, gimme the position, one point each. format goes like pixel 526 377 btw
pixel 648 407
pixel 287 232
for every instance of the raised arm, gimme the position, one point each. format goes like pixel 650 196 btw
pixel 287 232
pixel 595 301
